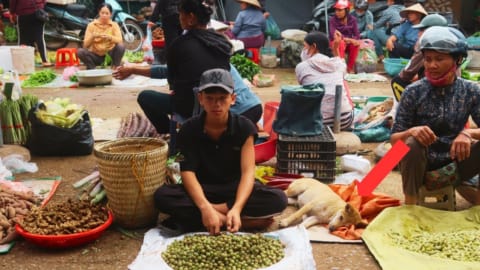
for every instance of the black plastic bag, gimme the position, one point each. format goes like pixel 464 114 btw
pixel 299 113
pixel 50 140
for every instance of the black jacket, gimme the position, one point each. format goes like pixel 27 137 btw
pixel 188 57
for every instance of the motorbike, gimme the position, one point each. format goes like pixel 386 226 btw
pixel 67 23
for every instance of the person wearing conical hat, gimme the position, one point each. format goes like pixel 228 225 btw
pixel 249 24
pixel 402 41
pixel 414 69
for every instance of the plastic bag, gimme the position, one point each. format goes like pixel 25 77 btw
pixel 4 172
pixel 374 134
pixel 272 30
pixel 299 113
pixel 147 48
pixel 50 140
pixel 17 164
pixel 355 163
pixel 367 58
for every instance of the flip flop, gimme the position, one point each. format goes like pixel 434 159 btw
pixel 47 64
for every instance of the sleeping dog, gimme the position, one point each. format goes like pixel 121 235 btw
pixel 321 204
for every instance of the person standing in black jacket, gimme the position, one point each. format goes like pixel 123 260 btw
pixel 198 49
pixel 168 10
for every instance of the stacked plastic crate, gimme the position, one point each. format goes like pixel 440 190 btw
pixel 310 156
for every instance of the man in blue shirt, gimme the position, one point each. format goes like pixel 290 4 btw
pixel 390 18
pixel 402 42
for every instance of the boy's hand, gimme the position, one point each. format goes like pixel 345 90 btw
pixel 211 221
pixel 233 221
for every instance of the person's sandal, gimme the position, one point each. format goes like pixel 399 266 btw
pixel 47 64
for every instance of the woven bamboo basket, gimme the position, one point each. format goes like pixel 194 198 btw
pixel 131 170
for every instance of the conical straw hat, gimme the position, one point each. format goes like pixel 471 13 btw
pixel 251 2
pixel 416 8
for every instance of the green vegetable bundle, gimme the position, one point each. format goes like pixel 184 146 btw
pixel 39 78
pixel 10 33
pixel 134 57
pixel 246 67
pixel 14 116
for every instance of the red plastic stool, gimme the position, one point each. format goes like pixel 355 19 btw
pixel 255 55
pixel 66 57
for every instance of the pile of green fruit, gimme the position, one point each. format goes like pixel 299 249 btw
pixel 226 251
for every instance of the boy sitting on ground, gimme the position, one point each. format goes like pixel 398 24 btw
pixel 219 189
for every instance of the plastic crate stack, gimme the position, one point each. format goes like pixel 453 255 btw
pixel 310 156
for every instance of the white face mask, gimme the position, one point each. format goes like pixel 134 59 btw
pixel 304 55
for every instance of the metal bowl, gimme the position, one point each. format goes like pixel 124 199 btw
pixel 94 76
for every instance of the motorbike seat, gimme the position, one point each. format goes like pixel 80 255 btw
pixel 77 10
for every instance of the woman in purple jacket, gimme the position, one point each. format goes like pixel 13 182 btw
pixel 29 27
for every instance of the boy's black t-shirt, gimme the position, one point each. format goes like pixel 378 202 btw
pixel 214 161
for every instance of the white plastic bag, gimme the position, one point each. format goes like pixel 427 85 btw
pixel 4 172
pixel 348 177
pixel 356 163
pixel 16 164
pixel 147 48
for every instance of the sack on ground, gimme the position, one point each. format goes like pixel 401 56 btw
pixel 299 113
pixel 41 15
pixel 50 140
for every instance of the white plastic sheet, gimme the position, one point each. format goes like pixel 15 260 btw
pixel 298 250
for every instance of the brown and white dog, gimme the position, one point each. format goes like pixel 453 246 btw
pixel 321 205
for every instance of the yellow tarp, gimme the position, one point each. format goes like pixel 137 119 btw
pixel 405 220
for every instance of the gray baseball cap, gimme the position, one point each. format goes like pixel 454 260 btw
pixel 216 78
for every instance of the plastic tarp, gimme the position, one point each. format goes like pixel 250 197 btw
pixel 298 251
pixel 407 219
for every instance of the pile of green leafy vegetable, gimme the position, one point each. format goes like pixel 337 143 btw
pixel 246 67
pixel 10 33
pixel 39 78
pixel 134 57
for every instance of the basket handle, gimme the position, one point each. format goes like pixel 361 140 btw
pixel 140 179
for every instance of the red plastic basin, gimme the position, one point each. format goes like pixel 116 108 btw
pixel 67 240
pixel 265 151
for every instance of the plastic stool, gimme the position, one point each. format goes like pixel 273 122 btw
pixel 66 57
pixel 443 198
pixel 253 54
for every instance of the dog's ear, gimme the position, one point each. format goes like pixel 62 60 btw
pixel 348 208
pixel 361 224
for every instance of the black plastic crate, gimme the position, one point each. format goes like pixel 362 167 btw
pixel 323 170
pixel 310 156
pixel 324 142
